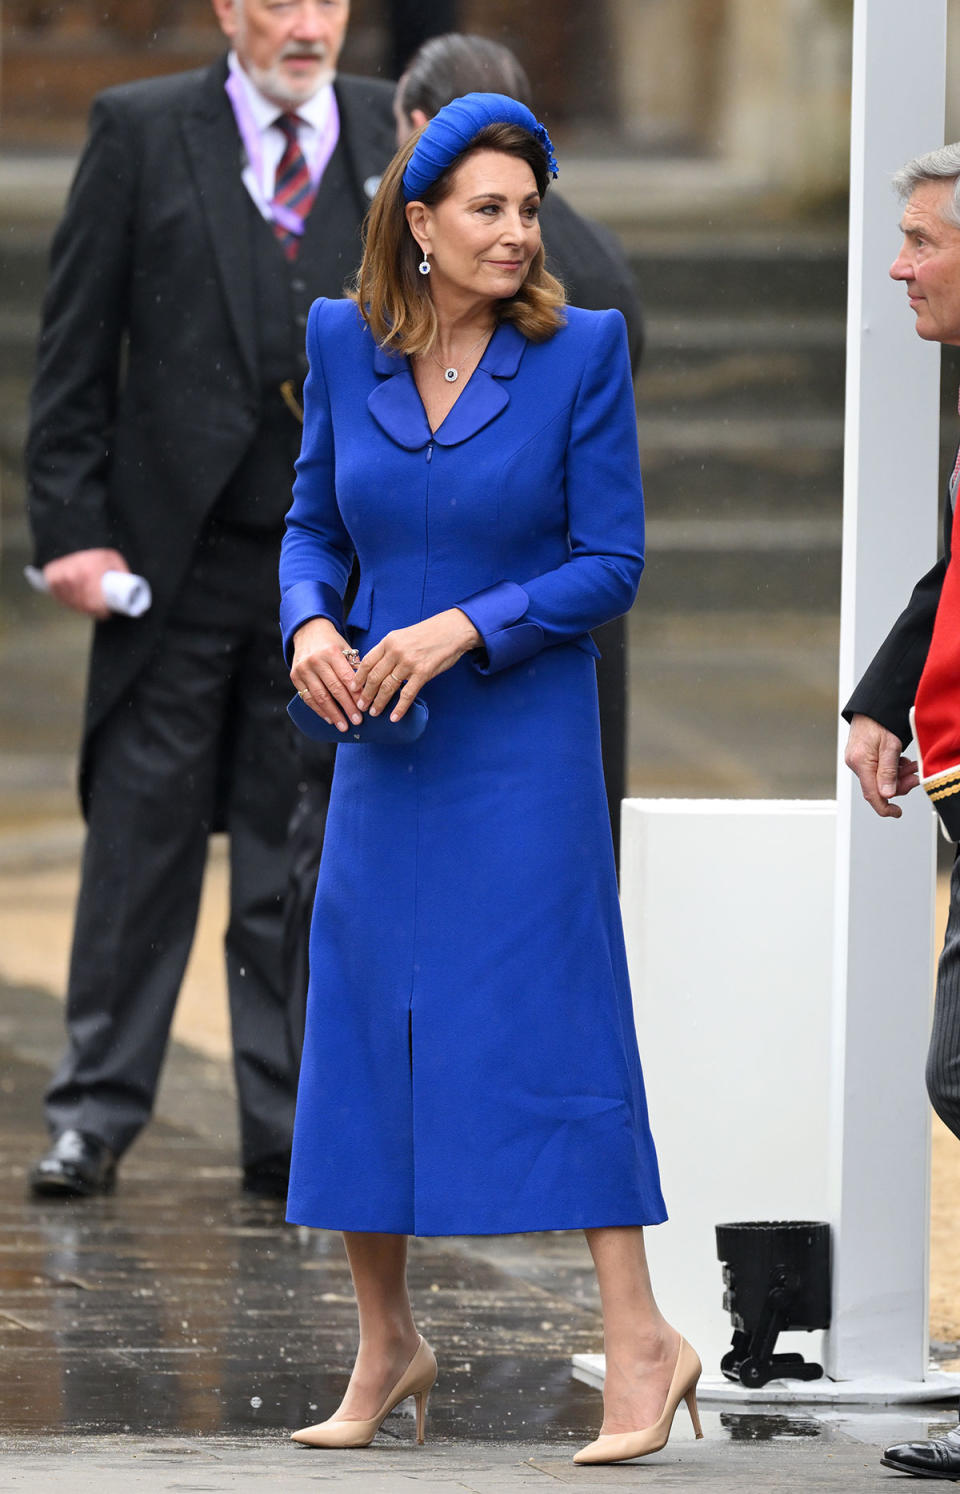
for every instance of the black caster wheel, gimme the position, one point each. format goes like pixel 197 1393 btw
pixel 752 1374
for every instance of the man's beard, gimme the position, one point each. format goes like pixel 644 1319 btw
pixel 280 89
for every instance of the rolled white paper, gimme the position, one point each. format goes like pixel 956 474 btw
pixel 126 593
pixel 129 595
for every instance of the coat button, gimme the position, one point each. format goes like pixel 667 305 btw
pixel 298 284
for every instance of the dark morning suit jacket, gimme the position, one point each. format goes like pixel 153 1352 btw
pixel 147 391
pixel 889 686
pixel 588 258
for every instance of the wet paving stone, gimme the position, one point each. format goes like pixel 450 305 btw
pixel 169 1336
pixel 177 1305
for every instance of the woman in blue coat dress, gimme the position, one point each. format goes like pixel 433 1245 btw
pixel 470 1064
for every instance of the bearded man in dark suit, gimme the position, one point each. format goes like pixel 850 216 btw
pixel 209 209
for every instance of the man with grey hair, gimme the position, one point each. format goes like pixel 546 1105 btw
pixel 209 209
pixel 879 709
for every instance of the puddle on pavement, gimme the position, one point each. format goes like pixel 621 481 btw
pixel 756 1427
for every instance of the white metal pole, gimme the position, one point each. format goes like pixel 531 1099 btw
pixel 883 955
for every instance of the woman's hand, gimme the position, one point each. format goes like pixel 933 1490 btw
pixel 411 656
pixel 322 675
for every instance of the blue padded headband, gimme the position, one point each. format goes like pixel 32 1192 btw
pixel 453 127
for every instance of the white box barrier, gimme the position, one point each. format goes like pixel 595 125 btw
pixel 746 1036
pixel 728 915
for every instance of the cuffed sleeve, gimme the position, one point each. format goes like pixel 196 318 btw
pixel 497 613
pixel 304 600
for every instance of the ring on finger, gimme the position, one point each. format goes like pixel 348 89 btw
pixel 304 694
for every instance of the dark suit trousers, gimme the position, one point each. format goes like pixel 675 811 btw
pixel 943 1058
pixel 202 738
pixel 611 639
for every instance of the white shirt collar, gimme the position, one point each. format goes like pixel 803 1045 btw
pixel 315 111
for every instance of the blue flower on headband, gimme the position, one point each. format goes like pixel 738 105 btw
pixel 453 127
pixel 547 143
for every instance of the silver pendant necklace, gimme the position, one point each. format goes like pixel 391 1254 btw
pixel 452 373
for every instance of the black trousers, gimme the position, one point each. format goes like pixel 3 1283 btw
pixel 202 738
pixel 943 1057
pixel 611 640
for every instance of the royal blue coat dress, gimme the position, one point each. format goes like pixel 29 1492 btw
pixel 470 1063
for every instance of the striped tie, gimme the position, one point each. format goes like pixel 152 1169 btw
pixel 294 190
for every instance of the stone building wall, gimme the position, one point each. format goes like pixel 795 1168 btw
pixel 55 56
pixel 760 87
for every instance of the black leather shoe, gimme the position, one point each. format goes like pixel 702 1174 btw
pixel 937 1459
pixel 76 1166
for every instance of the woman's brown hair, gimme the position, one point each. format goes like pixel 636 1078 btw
pixel 392 296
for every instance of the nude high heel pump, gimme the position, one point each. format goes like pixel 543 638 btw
pixel 617 1447
pixel 417 1380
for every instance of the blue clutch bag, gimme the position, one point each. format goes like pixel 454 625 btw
pixel 379 729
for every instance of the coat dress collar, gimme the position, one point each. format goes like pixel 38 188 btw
pixel 396 405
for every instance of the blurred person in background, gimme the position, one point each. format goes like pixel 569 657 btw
pixel 590 263
pixel 208 210
pixel 412 22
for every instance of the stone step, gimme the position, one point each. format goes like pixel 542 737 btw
pixel 743 434
pixel 750 535
pixel 756 366
pixel 718 332
pixel 804 579
pixel 753 383
pixel 750 482
pixel 728 276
